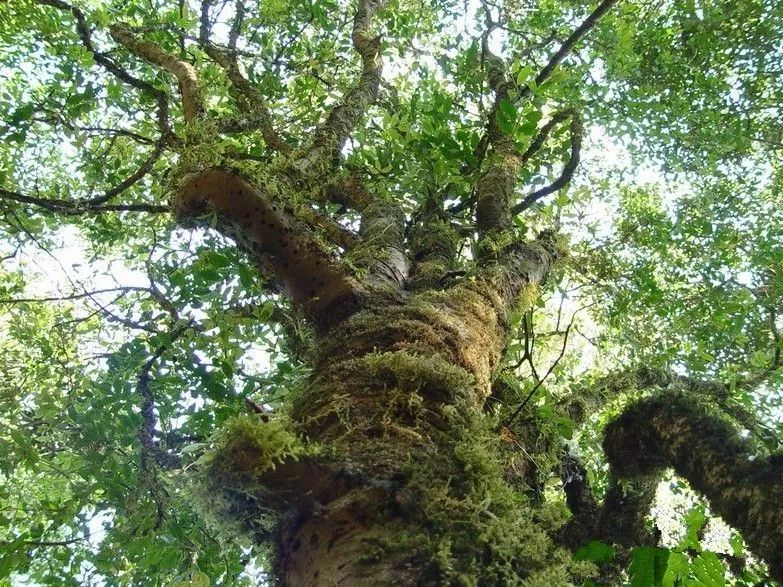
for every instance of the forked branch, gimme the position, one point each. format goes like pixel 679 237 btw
pixel 330 137
pixel 256 115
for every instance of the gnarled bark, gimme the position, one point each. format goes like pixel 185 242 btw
pixel 674 430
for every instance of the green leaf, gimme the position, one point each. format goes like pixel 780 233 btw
pixel 648 566
pixel 708 571
pixel 677 568
pixel 695 520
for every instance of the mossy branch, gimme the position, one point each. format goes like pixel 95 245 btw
pixel 330 136
pixel 258 116
pixel 285 249
pixel 496 184
pixel 702 446
pixel 257 473
pixel 382 248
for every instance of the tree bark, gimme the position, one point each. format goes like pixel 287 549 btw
pixel 401 479
pixel 678 431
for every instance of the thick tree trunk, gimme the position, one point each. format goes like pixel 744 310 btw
pixel 402 480
pixel 396 401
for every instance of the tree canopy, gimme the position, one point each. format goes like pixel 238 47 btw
pixel 643 136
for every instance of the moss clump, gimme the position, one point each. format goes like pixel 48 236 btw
pixel 229 489
pixel 494 243
pixel 483 531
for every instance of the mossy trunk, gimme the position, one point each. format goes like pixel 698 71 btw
pixel 386 470
pixel 395 403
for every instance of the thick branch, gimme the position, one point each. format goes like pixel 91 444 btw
pixel 620 519
pixel 593 397
pixel 192 101
pixel 283 246
pixel 348 191
pixel 674 430
pixel 382 248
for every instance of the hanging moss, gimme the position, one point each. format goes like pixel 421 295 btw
pixel 229 488
pixel 480 530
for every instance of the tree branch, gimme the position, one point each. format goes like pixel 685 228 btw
pixel 330 137
pixel 566 174
pixel 192 100
pixel 107 63
pixel 569 44
pixel 495 187
pixel 258 115
pixel 75 208
pixel 675 430
pixel 282 245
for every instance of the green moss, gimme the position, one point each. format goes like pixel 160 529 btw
pixel 496 242
pixel 481 530
pixel 228 488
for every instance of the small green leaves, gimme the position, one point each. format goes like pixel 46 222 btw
pixel 596 551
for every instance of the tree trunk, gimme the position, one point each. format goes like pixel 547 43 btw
pixel 403 479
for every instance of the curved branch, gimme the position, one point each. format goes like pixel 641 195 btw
pixel 330 137
pixel 619 519
pixel 284 248
pixel 674 430
pixel 496 185
pixel 137 176
pixel 192 100
pixel 569 168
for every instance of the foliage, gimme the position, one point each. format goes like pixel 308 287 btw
pixel 674 220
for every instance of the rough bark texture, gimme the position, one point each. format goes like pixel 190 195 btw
pixel 703 447
pixel 402 476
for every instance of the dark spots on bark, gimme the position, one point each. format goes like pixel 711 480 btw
pixel 314 540
pixel 296 545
